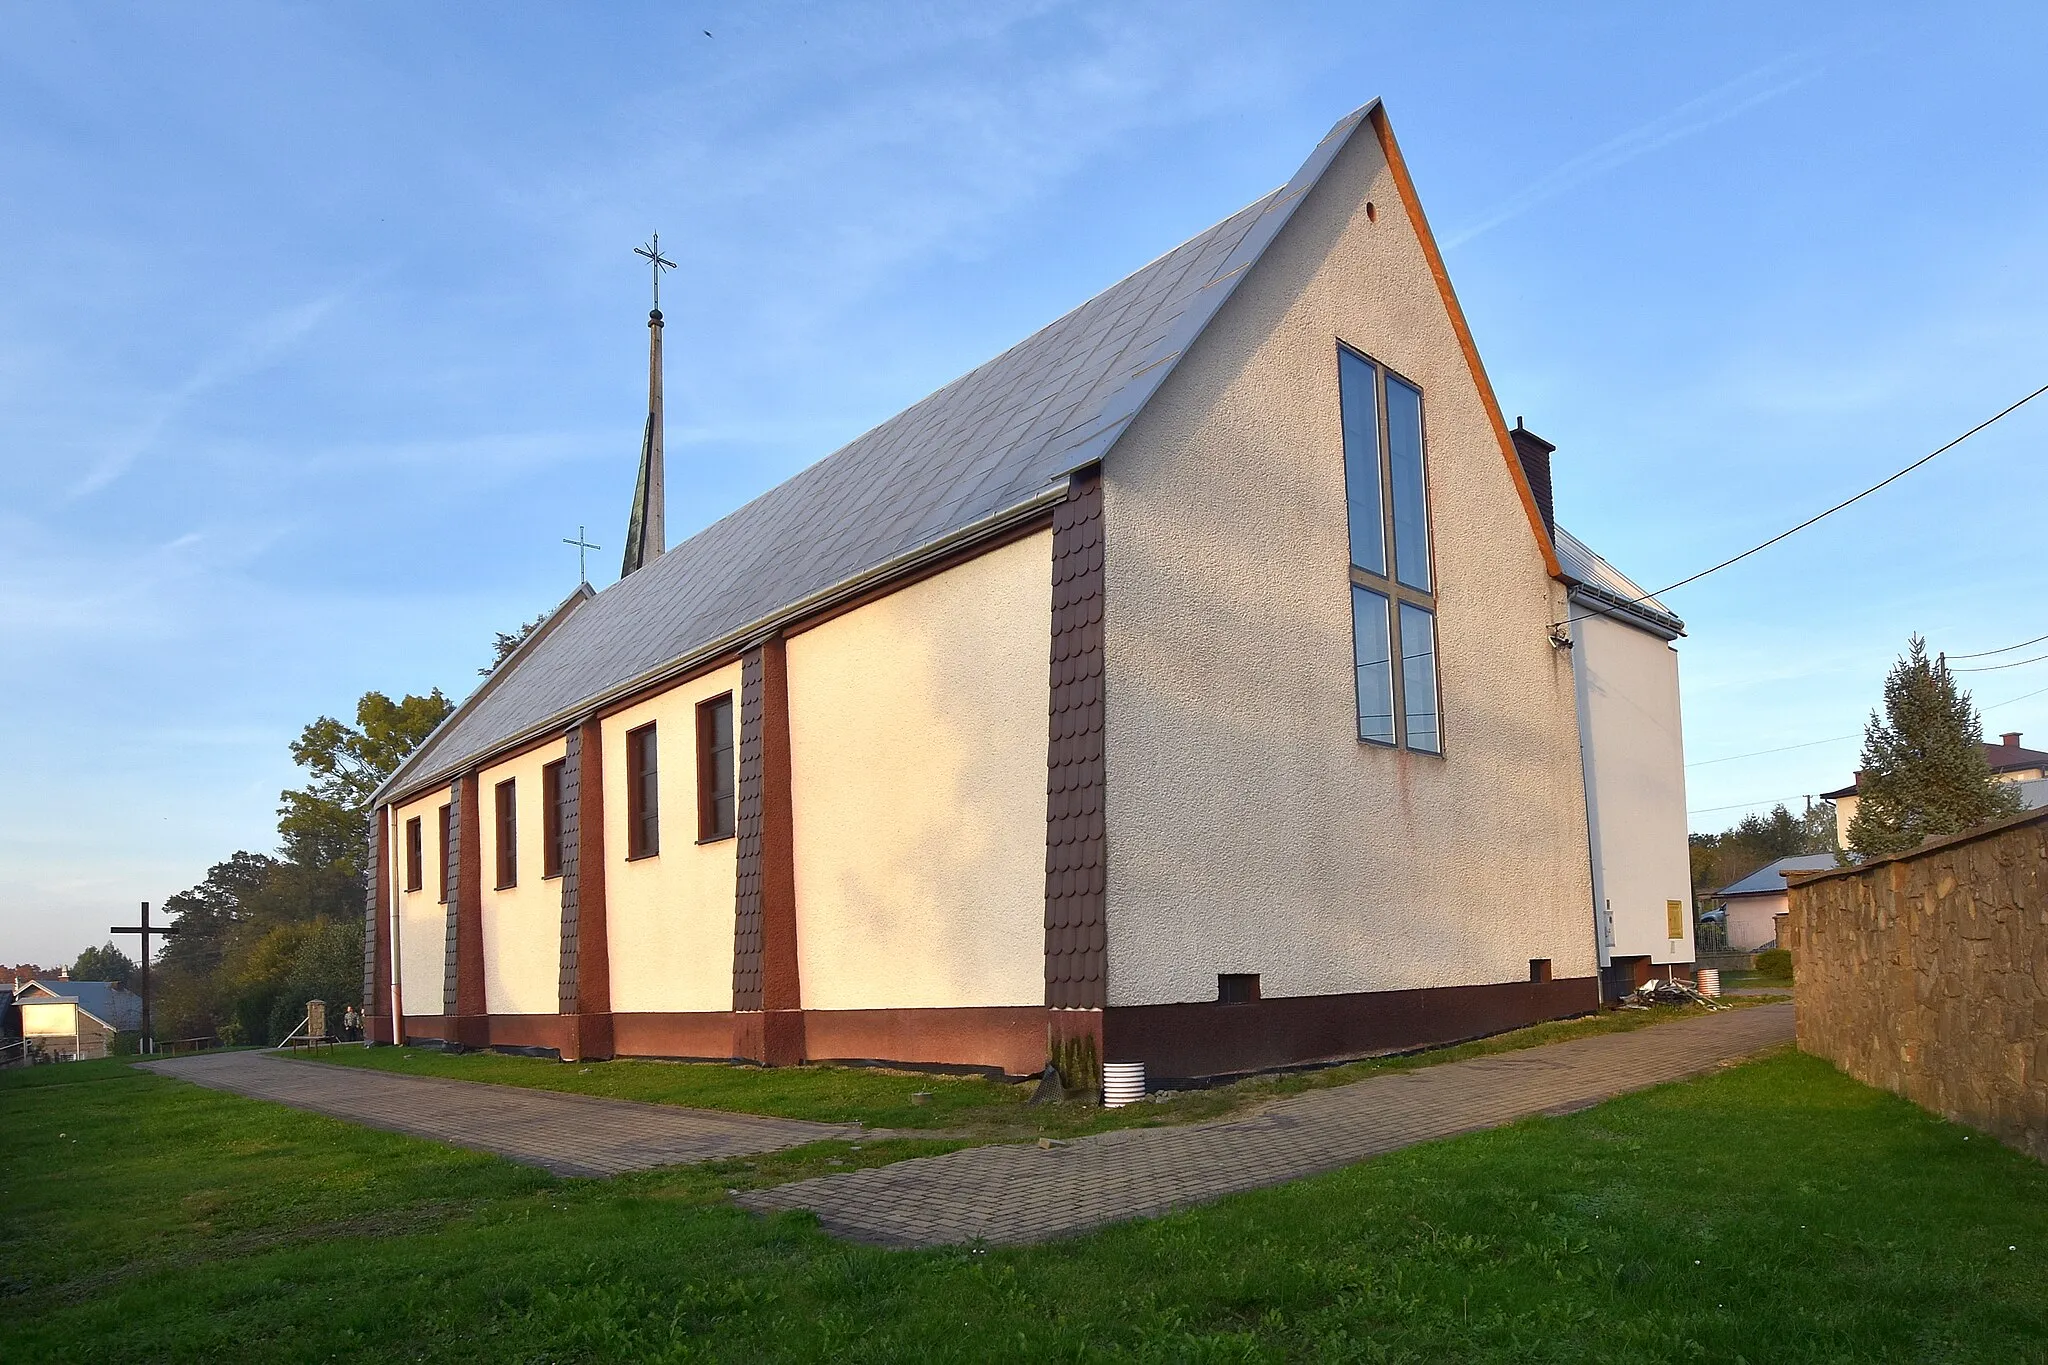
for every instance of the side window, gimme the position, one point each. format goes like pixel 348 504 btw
pixel 643 794
pixel 715 769
pixel 415 857
pixel 1393 615
pixel 507 809
pixel 551 819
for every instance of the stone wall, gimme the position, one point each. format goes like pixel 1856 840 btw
pixel 1926 973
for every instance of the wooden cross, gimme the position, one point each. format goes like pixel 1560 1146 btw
pixel 144 929
pixel 659 262
pixel 583 547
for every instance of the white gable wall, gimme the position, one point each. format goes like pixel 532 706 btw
pixel 1249 830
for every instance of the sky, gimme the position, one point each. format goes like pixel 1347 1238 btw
pixel 320 329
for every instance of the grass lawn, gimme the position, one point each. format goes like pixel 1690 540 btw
pixel 1771 1212
pixel 969 1105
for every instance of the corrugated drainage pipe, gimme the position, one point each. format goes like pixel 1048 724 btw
pixel 1122 1083
pixel 1709 981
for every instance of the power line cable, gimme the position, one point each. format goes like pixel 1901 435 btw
pixel 1993 668
pixel 1759 753
pixel 1890 479
pixel 1987 653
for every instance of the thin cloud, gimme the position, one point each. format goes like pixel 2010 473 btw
pixel 1717 106
pixel 258 346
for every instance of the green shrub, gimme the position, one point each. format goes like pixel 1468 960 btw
pixel 1775 962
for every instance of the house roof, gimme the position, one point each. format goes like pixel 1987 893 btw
pixel 989 449
pixel 1600 585
pixel 1770 878
pixel 2001 758
pixel 104 1000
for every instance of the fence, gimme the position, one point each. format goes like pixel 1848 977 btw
pixel 1919 973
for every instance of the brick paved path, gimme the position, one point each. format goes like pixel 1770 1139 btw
pixel 1017 1194
pixel 567 1134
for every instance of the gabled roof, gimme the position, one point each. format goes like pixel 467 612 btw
pixel 1601 586
pixel 2000 758
pixel 105 1001
pixel 1770 878
pixel 988 450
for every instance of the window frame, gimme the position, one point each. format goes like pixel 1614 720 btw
pixel 1387 582
pixel 505 833
pixel 643 792
pixel 415 854
pixel 708 795
pixel 551 818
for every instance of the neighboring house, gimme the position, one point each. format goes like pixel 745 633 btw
pixel 1632 745
pixel 1179 686
pixel 61 1027
pixel 1754 903
pixel 2009 760
pixel 121 1008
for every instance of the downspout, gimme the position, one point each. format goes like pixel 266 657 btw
pixel 392 883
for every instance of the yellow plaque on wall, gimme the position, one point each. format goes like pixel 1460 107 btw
pixel 1674 918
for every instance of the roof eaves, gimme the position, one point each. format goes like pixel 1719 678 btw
pixel 1612 605
pixel 504 669
pixel 393 791
pixel 1412 203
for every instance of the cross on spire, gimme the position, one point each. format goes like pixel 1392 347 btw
pixel 658 262
pixel 583 547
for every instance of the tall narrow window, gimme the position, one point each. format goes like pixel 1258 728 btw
pixel 1418 677
pixel 447 851
pixel 643 794
pixel 1358 380
pixel 415 856
pixel 714 769
pixel 551 819
pixel 508 833
pixel 1375 661
pixel 1393 605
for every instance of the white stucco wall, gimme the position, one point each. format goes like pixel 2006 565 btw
pixel 1249 829
pixel 423 919
pixel 1752 920
pixel 523 923
pixel 917 739
pixel 1633 752
pixel 670 916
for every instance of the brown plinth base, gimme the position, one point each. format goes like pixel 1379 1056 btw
pixel 770 1037
pixel 1010 1039
pixel 1207 1040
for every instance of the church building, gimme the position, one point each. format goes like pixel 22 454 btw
pixel 1192 683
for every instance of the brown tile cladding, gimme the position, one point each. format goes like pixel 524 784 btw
pixel 451 860
pixel 469 915
pixel 1075 847
pixel 746 940
pixel 571 830
pixel 376 997
pixel 767 997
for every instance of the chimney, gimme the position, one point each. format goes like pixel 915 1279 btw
pixel 2010 739
pixel 1534 453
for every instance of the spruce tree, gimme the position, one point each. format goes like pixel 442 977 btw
pixel 1923 770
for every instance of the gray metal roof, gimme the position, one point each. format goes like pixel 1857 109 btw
pixel 1608 588
pixel 1770 878
pixel 991 443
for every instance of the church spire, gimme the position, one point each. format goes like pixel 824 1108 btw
pixel 645 534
